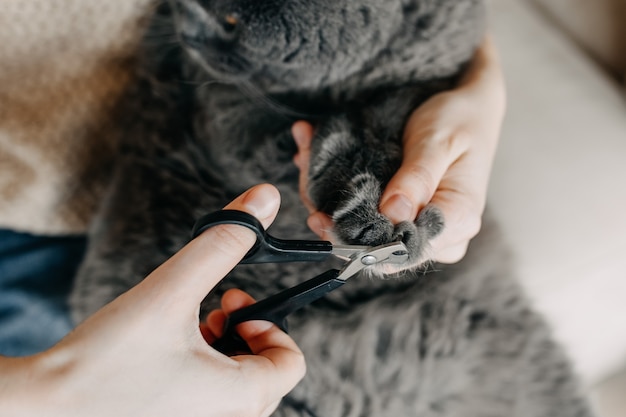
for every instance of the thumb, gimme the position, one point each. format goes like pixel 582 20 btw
pixel 193 271
pixel 427 156
pixel 412 186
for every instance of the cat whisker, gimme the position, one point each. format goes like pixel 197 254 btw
pixel 254 93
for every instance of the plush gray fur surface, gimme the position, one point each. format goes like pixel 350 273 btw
pixel 219 85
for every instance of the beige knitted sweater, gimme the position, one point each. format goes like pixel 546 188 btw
pixel 63 63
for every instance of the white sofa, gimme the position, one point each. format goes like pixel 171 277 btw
pixel 559 183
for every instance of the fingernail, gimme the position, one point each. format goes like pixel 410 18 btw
pixel 398 208
pixel 315 224
pixel 262 202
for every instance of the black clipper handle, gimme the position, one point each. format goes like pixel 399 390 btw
pixel 267 249
pixel 275 309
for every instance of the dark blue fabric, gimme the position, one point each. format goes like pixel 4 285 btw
pixel 36 274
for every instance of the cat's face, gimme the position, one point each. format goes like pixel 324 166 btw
pixel 283 45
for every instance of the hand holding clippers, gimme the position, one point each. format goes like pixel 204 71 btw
pixel 268 249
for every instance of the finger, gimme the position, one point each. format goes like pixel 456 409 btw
pixel 462 211
pixel 267 340
pixel 452 254
pixel 235 299
pixel 214 323
pixel 277 364
pixel 260 335
pixel 281 361
pixel 429 148
pixel 303 134
pixel 191 273
pixel 322 225
pixel 213 326
pixel 278 361
pixel 206 334
pixel 412 187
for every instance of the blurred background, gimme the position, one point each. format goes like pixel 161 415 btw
pixel 559 180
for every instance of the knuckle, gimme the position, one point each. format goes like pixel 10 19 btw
pixel 446 138
pixel 461 137
pixel 422 178
pixel 456 143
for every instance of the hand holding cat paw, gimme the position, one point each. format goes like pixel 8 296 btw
pixel 449 146
pixel 143 353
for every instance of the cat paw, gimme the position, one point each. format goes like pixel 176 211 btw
pixel 358 222
pixel 417 235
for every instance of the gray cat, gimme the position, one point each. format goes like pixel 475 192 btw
pixel 219 84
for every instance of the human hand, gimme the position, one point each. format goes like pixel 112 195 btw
pixel 449 146
pixel 143 354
